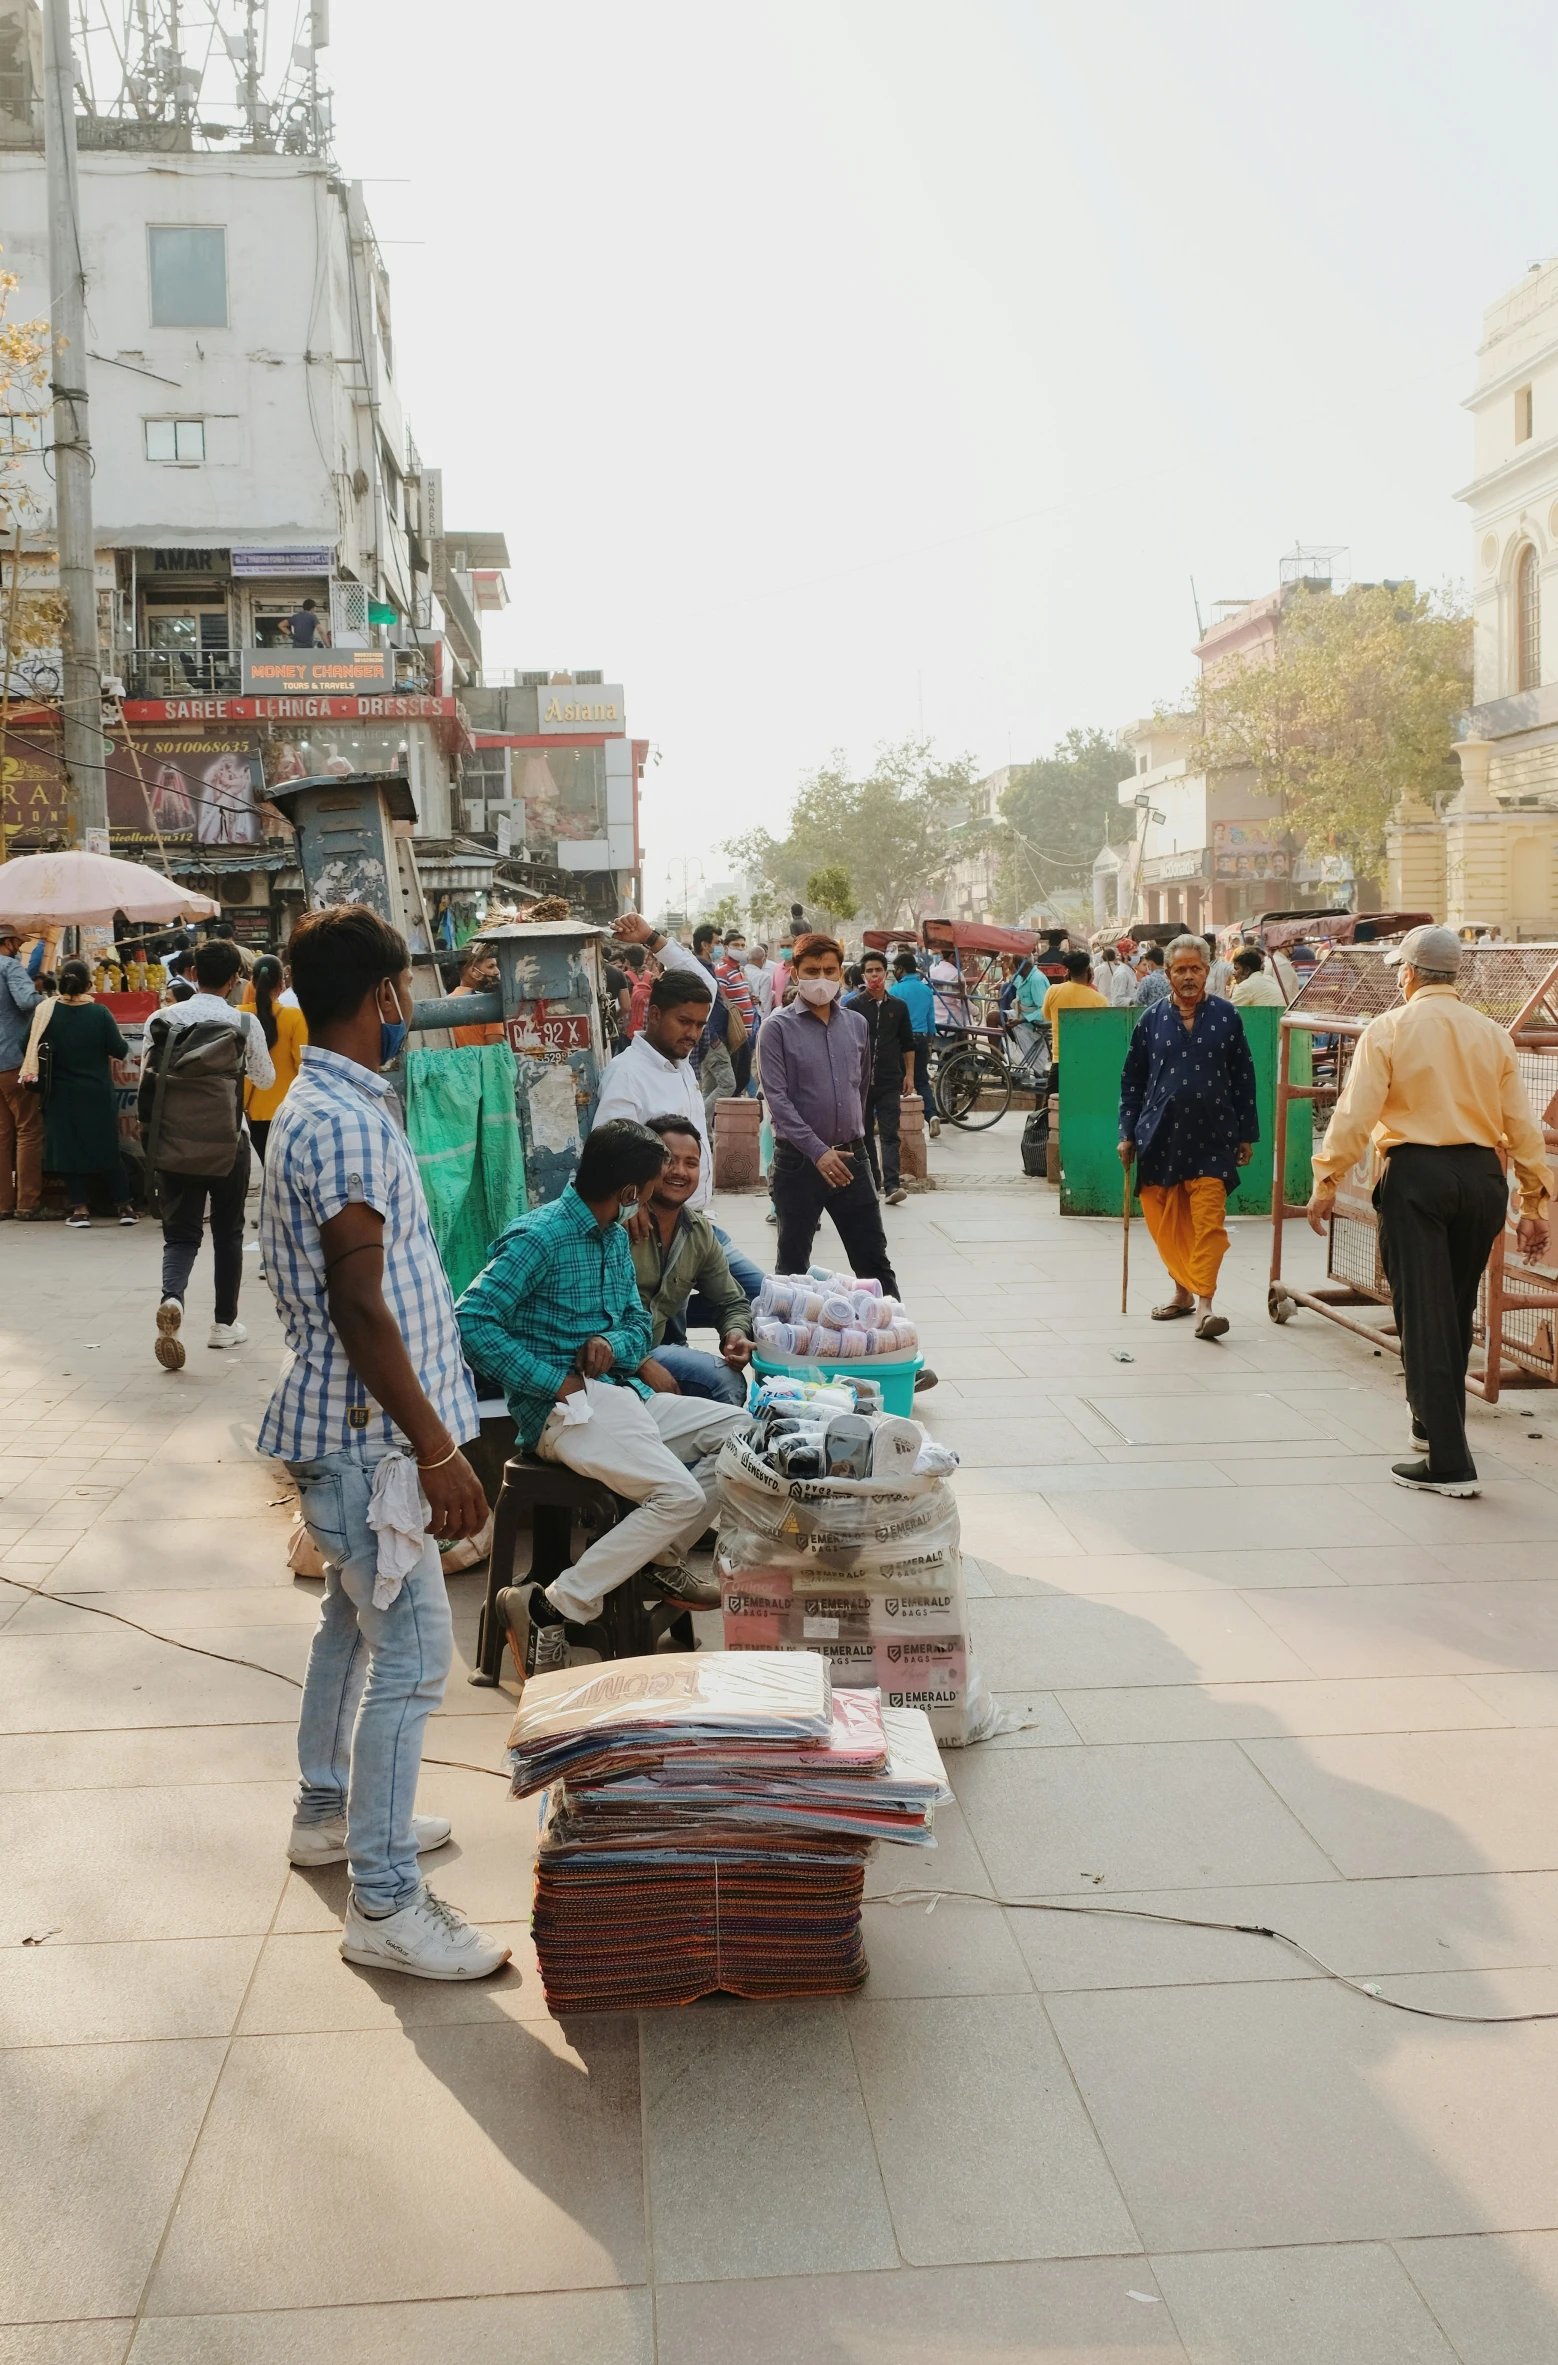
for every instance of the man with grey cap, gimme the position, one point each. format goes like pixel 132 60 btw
pixel 1435 1087
pixel 21 1112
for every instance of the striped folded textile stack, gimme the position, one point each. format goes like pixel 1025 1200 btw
pixel 706 1824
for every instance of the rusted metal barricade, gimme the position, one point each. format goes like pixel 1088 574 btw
pixel 1516 985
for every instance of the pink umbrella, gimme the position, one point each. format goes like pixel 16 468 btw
pixel 74 889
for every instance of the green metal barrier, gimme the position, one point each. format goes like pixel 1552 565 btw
pixel 1091 1058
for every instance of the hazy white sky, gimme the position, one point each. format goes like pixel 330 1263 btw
pixel 838 367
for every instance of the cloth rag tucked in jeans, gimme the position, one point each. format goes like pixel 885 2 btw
pixel 374 1678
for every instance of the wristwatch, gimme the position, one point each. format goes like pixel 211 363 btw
pixel 656 939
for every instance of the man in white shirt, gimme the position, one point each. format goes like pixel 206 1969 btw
pixel 760 977
pixel 183 1197
pixel 1254 986
pixel 653 1077
pixel 1219 975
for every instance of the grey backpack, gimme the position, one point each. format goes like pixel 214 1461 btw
pixel 190 1101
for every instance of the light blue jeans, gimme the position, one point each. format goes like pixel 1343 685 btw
pixel 374 1678
pixel 698 1374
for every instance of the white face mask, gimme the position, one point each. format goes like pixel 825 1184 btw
pixel 817 990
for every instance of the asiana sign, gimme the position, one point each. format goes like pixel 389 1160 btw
pixel 566 708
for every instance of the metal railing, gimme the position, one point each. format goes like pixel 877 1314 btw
pixel 217 673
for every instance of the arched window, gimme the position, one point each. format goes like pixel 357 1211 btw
pixel 1528 620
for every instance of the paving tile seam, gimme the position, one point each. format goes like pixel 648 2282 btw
pixel 177 2196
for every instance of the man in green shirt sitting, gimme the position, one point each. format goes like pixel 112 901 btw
pixel 557 1322
pixel 680 1265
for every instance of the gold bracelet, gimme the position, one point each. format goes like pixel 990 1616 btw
pixel 438 1465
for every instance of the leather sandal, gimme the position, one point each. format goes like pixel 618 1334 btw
pixel 1171 1312
pixel 1211 1326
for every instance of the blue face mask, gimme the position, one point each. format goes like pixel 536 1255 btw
pixel 392 1036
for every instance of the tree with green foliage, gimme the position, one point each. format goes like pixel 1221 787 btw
pixel 1356 703
pixel 832 890
pixel 887 833
pixel 726 913
pixel 1056 814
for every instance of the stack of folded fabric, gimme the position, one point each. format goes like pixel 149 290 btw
pixel 706 1825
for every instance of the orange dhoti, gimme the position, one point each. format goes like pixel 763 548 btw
pixel 1185 1220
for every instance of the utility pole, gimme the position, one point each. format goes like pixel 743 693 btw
pixel 82 715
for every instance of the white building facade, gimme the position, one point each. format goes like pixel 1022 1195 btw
pixel 251 453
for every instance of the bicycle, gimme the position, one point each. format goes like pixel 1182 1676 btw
pixel 979 1069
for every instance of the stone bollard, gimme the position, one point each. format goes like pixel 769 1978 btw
pixel 737 1165
pixel 1052 1148
pixel 911 1138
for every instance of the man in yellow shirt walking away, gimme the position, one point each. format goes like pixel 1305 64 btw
pixel 1436 1089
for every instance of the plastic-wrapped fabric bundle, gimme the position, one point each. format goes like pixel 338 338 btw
pixel 866 1573
pixel 644 1708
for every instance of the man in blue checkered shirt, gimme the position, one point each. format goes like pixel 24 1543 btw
pixel 377 1381
pixel 557 1322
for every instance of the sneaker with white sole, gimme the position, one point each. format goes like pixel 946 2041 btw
pixel 677 1582
pixel 1418 1476
pixel 78 1220
pixel 427 1939
pixel 313 1844
pixel 539 1645
pixel 170 1347
pixel 227 1334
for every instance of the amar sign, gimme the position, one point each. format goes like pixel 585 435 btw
pixel 565 708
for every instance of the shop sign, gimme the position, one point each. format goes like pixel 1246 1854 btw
pixel 404 706
pixel 304 558
pixel 536 1031
pixel 1164 867
pixel 324 673
pixel 194 787
pixel 566 707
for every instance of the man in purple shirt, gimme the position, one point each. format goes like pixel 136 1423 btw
pixel 815 1059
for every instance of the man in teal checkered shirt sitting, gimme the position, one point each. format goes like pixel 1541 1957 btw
pixel 557 1322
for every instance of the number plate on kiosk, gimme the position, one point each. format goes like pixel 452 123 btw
pixel 568 1031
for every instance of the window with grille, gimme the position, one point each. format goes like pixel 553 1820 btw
pixel 176 439
pixel 1528 620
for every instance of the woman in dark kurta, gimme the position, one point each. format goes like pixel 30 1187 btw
pixel 81 1114
pixel 1187 1117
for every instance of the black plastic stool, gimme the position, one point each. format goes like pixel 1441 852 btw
pixel 629 1626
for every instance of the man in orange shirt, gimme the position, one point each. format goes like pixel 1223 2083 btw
pixel 478 975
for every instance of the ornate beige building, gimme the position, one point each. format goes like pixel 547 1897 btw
pixel 1492 859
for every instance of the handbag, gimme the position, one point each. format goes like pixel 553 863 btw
pixel 37 1069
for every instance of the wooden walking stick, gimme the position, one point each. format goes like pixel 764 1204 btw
pixel 1125 1229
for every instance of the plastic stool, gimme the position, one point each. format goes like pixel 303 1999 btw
pixel 549 1496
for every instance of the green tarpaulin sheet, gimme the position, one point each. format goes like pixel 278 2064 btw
pixel 463 1128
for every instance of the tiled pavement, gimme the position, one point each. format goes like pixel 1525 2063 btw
pixel 1249 1679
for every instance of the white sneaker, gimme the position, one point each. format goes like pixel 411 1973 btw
pixel 227 1334
pixel 312 1844
pixel 427 1938
pixel 170 1347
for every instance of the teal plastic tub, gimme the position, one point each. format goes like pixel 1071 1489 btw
pixel 896 1380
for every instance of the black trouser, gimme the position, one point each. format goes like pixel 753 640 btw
pixel 1440 1211
pixel 741 1061
pixel 802 1197
pixel 922 1045
pixel 259 1133
pixel 883 1119
pixel 183 1200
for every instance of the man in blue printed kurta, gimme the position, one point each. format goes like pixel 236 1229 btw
pixel 1187 1119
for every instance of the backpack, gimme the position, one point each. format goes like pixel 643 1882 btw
pixel 1035 1141
pixel 190 1101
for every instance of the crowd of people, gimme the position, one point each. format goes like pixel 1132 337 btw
pixel 580 1319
